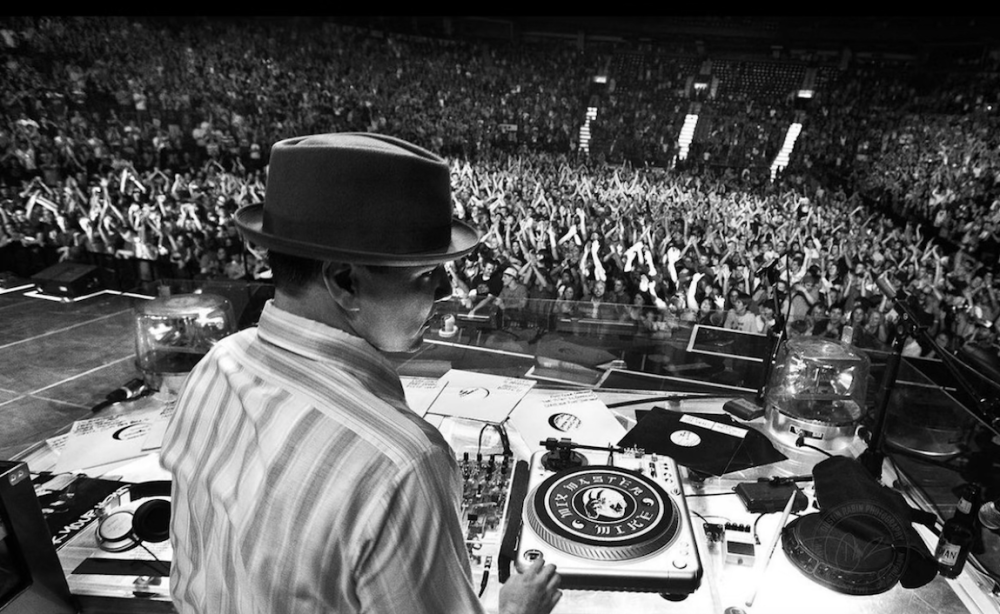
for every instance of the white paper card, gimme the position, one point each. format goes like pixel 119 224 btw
pixel 421 392
pixel 479 396
pixel 577 415
pixel 715 426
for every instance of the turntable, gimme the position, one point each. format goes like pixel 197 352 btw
pixel 609 519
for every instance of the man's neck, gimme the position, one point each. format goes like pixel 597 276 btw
pixel 314 304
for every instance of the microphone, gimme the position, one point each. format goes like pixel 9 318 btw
pixel 132 389
pixel 989 515
pixel 766 268
pixel 885 286
pixel 906 303
pixel 770 266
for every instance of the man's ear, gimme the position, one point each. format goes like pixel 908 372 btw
pixel 339 279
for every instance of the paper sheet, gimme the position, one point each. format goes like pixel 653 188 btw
pixel 421 392
pixel 107 440
pixel 479 396
pixel 578 415
pixel 157 428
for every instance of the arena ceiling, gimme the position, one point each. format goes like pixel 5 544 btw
pixel 909 34
pixel 936 29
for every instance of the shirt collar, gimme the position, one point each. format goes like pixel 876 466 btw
pixel 317 341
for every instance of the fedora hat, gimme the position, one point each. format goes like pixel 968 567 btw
pixel 862 541
pixel 357 197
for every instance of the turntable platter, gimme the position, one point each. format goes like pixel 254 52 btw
pixel 603 513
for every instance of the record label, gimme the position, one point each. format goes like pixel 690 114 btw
pixel 685 438
pixel 564 422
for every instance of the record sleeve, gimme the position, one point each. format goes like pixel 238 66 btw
pixel 578 415
pixel 713 444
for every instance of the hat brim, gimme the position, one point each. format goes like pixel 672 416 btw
pixel 842 560
pixel 249 221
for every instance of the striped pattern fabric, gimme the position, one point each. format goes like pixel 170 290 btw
pixel 303 483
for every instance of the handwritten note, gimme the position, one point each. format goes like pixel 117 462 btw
pixel 714 426
pixel 421 392
pixel 110 439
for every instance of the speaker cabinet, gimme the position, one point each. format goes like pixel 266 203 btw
pixel 67 280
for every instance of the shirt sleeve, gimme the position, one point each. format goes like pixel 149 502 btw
pixel 415 561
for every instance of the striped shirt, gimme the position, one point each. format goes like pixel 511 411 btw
pixel 303 483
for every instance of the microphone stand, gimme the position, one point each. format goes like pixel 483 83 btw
pixel 872 458
pixel 775 339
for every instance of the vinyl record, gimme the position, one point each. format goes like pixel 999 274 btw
pixel 602 513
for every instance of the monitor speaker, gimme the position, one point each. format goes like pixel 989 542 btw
pixel 67 280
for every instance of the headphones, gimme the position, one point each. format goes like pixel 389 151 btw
pixel 120 530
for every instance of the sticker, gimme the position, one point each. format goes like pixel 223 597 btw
pixel 564 422
pixel 712 425
pixel 473 393
pixel 687 439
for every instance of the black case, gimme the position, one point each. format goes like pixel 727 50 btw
pixel 765 497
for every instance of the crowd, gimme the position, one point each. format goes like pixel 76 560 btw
pixel 666 249
pixel 138 141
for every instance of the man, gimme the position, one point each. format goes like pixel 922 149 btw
pixel 805 294
pixel 598 307
pixel 740 317
pixel 833 326
pixel 765 320
pixel 485 287
pixel 619 294
pixel 513 298
pixel 302 482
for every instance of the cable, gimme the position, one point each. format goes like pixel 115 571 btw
pixel 681 397
pixel 788 291
pixel 900 473
pixel 486 576
pixel 756 539
pixel 162 572
pixel 705 518
pixel 983 569
pixel 504 440
pixel 947 464
pixel 800 443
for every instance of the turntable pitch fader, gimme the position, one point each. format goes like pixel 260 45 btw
pixel 609 519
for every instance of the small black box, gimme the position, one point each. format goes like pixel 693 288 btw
pixel 743 409
pixel 765 497
pixel 67 280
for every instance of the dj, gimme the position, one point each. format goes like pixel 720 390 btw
pixel 302 482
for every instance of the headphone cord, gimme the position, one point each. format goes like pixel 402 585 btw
pixel 163 571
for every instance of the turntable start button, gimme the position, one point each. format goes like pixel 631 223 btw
pixel 531 555
pixel 680 563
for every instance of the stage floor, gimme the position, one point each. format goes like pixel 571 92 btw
pixel 57 360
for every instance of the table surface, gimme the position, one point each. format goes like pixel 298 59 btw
pixel 779 589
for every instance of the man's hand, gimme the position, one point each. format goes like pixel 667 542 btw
pixel 535 591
